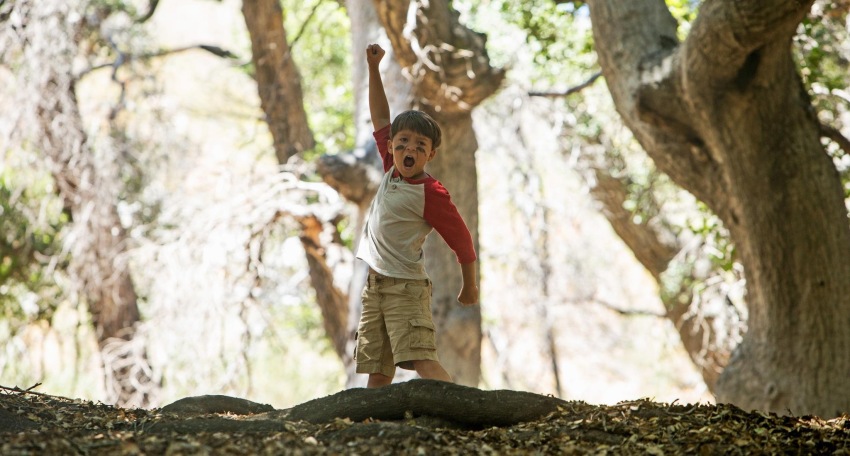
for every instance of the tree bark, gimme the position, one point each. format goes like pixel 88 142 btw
pixel 334 304
pixel 458 328
pixel 725 115
pixel 451 74
pixel 455 405
pixel 278 79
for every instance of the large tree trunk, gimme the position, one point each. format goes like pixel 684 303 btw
pixel 451 74
pixel 725 115
pixel 278 80
pixel 89 188
pixel 459 328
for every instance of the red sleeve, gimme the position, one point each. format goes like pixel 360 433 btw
pixel 442 214
pixel 381 137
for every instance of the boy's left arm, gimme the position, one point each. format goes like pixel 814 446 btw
pixel 469 292
pixel 444 217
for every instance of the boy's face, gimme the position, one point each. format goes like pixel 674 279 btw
pixel 411 152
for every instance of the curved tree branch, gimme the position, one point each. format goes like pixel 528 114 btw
pixel 123 58
pixel 589 82
pixel 833 134
pixel 151 9
pixel 449 64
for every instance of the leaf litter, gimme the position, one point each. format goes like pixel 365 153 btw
pixel 36 423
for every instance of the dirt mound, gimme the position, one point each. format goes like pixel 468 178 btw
pixel 416 417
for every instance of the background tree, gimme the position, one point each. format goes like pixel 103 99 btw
pixel 731 122
pixel 45 38
pixel 698 287
pixel 694 262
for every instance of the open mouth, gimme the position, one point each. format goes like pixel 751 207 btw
pixel 408 161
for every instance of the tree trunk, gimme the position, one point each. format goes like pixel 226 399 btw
pixel 725 115
pixel 89 190
pixel 459 328
pixel 450 70
pixel 278 80
pixel 334 304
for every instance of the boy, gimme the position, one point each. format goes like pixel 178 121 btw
pixel 396 328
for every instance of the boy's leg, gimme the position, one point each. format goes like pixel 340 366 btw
pixel 373 354
pixel 411 330
pixel 378 380
pixel 427 368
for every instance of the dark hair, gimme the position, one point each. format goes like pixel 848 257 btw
pixel 418 122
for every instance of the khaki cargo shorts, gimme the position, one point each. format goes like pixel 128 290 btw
pixel 396 327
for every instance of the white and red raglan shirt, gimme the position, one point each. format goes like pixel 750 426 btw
pixel 402 214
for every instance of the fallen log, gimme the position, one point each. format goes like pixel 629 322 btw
pixel 464 405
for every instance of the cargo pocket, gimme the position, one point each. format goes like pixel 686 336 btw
pixel 422 334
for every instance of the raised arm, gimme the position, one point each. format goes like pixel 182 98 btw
pixel 379 108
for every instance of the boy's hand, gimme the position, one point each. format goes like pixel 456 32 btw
pixel 468 295
pixel 374 54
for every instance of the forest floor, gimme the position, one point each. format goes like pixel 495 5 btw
pixel 34 423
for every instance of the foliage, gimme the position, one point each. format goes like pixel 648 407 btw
pixel 319 35
pixel 589 124
pixel 558 39
pixel 33 218
pixel 820 51
pixel 30 221
pixel 822 55
pixel 684 11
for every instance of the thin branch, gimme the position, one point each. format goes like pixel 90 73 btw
pixel 151 9
pixel 832 133
pixel 24 391
pixel 119 61
pixel 306 22
pixel 124 58
pixel 627 312
pixel 569 91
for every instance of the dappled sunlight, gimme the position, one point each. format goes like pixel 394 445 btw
pixel 219 320
pixel 172 230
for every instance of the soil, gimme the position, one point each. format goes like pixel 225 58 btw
pixel 415 417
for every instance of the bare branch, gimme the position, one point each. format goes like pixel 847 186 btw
pixel 627 312
pixel 306 23
pixel 123 58
pixel 833 134
pixel 589 82
pixel 151 9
